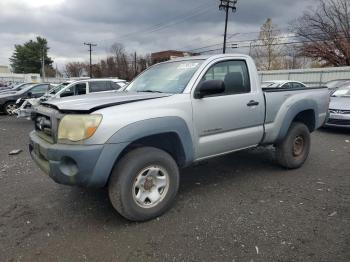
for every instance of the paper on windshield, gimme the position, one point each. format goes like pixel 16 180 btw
pixel 341 92
pixel 187 66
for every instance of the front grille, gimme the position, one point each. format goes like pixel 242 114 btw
pixel 43 125
pixel 339 111
pixel 46 122
pixel 342 122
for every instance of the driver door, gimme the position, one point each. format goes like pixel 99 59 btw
pixel 228 121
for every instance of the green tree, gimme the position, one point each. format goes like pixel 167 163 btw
pixel 27 58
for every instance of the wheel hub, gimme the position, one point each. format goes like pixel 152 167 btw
pixel 148 183
pixel 298 146
pixel 10 108
pixel 151 186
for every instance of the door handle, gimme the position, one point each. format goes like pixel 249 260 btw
pixel 253 103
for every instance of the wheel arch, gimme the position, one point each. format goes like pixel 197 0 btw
pixel 170 134
pixel 305 111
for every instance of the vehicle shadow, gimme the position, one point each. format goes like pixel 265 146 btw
pixel 230 167
pixel 219 171
pixel 335 130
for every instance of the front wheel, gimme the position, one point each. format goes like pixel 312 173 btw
pixel 10 107
pixel 144 183
pixel 294 149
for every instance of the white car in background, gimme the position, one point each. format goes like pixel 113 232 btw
pixel 71 88
pixel 339 108
pixel 283 84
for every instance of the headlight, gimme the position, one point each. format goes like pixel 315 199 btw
pixel 78 127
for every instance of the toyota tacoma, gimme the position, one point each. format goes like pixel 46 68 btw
pixel 172 115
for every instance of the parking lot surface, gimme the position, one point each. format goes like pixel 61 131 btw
pixel 240 207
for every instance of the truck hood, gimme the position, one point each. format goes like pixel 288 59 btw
pixel 340 103
pixel 92 102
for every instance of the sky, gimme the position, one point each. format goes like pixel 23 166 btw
pixel 142 26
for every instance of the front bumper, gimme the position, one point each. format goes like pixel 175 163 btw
pixel 24 113
pixel 338 120
pixel 81 165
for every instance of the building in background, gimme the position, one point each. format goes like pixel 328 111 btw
pixel 310 76
pixel 11 78
pixel 168 55
pixel 4 69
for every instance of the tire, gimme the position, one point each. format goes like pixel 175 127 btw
pixel 129 187
pixel 292 152
pixel 8 108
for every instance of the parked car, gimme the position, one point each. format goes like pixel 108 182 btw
pixel 339 108
pixel 335 84
pixel 172 115
pixel 8 100
pixel 16 88
pixel 70 88
pixel 24 105
pixel 4 86
pixel 282 84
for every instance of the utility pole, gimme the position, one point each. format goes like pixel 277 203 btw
pixel 90 50
pixel 226 5
pixel 135 63
pixel 43 63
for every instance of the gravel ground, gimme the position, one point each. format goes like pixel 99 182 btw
pixel 240 207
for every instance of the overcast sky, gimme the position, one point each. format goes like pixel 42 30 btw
pixel 143 26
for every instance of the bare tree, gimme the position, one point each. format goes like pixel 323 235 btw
pixel 326 32
pixel 267 51
pixel 75 69
pixel 118 63
pixel 291 58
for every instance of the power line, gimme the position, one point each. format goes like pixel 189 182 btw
pixel 277 44
pixel 255 40
pixel 178 19
pixel 90 50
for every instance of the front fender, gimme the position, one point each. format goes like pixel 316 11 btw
pixel 154 126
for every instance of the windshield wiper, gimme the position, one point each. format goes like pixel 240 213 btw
pixel 150 91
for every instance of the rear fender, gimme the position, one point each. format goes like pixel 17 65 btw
pixel 292 112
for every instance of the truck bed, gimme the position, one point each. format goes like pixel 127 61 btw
pixel 281 102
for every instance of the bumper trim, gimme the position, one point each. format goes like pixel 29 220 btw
pixel 79 165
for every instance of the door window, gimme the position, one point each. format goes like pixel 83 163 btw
pixel 115 86
pixel 39 90
pixel 298 85
pixel 80 89
pixel 287 85
pixel 77 89
pixel 99 86
pixel 234 73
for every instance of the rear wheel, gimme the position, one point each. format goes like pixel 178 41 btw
pixel 294 149
pixel 10 107
pixel 144 183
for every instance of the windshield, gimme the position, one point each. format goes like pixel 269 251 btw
pixel 22 86
pixel 171 77
pixel 335 83
pixel 26 88
pixel 342 92
pixel 58 88
pixel 269 84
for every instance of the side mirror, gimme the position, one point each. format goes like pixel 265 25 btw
pixel 29 94
pixel 209 87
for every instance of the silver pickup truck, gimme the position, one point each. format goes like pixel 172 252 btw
pixel 172 115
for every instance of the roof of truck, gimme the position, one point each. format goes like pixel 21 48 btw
pixel 205 57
